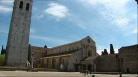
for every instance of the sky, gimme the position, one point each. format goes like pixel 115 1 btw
pixel 57 22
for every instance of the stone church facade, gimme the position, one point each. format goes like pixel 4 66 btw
pixel 82 55
pixel 67 57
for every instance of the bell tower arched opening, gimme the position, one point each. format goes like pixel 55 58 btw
pixel 21 5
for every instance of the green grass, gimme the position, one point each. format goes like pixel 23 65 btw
pixel 2 59
pixel 12 68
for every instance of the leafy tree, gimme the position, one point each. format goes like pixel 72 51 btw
pixel 2 50
pixel 45 46
pixel 102 53
pixel 2 59
pixel 105 52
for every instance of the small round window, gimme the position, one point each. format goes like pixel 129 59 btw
pixel 88 40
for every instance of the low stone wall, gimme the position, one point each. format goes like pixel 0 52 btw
pixel 8 68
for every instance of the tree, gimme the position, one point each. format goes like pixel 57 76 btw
pixel 105 52
pixel 111 49
pixel 2 59
pixel 45 46
pixel 102 53
pixel 3 51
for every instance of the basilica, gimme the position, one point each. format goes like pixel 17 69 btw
pixel 82 55
pixel 74 56
pixel 68 57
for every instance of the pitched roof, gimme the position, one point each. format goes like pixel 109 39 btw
pixel 64 53
pixel 90 58
pixel 72 42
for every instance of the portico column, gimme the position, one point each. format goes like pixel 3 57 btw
pixel 86 67
pixel 94 67
pixel 51 63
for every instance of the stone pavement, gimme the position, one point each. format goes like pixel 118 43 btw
pixel 55 74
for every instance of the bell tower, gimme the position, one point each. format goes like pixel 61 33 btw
pixel 18 37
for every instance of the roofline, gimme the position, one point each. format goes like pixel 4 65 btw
pixel 53 56
pixel 129 46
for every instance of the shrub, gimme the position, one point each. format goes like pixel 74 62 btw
pixel 2 59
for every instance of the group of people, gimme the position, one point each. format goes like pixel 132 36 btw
pixel 85 72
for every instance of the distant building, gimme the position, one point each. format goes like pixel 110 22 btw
pixel 128 59
pixel 125 61
pixel 107 63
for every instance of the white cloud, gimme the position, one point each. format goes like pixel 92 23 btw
pixel 35 8
pixel 57 10
pixel 32 30
pixel 99 51
pixel 135 31
pixel 135 16
pixel 7 1
pixel 3 31
pixel 39 16
pixel 49 39
pixel 113 11
pixel 122 22
pixel 5 9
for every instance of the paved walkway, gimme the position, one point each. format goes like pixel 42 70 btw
pixel 55 74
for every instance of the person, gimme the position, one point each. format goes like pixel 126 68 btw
pixel 28 63
pixel 90 71
pixel 87 72
pixel 84 71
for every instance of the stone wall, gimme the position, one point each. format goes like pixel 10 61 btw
pixel 129 59
pixel 67 57
pixel 107 63
pixel 38 52
pixel 75 58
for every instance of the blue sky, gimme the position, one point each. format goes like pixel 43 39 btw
pixel 57 22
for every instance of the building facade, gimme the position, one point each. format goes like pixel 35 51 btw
pixel 82 55
pixel 125 61
pixel 128 59
pixel 107 63
pixel 68 57
pixel 18 38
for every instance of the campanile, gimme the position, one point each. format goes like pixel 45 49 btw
pixel 18 37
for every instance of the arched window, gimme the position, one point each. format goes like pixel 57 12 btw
pixel 46 52
pixel 27 6
pixel 89 53
pixel 21 5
